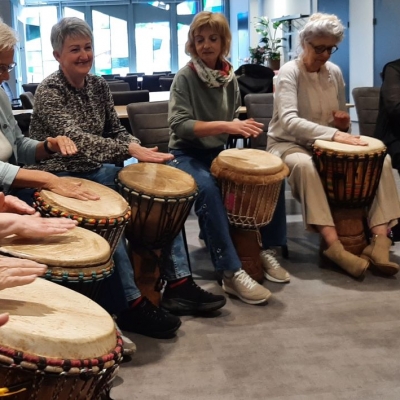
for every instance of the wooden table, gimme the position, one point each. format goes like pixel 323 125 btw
pixel 17 112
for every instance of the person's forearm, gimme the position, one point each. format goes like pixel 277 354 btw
pixel 212 128
pixel 41 153
pixel 31 178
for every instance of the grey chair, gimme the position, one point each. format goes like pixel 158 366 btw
pixel 151 83
pixel 132 96
pixel 108 77
pixel 132 80
pixel 30 87
pixel 366 100
pixel 149 123
pixel 27 100
pixel 118 86
pixel 260 106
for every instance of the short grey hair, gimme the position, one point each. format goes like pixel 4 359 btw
pixel 320 24
pixel 69 27
pixel 8 37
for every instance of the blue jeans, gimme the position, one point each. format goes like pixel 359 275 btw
pixel 210 211
pixel 106 176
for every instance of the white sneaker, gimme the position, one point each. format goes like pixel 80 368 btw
pixel 273 271
pixel 245 287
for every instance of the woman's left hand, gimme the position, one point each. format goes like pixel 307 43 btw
pixel 62 144
pixel 12 204
pixel 341 120
pixel 347 138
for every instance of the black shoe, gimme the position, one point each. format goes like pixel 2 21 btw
pixel 188 298
pixel 148 320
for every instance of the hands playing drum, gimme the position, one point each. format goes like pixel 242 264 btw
pixel 247 128
pixel 145 154
pixel 341 121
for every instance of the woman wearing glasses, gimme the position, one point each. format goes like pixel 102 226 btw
pixel 310 105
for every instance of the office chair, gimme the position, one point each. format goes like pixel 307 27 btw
pixel 366 100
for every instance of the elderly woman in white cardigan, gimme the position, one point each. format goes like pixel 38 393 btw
pixel 310 105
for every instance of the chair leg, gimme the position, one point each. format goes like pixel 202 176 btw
pixel 186 247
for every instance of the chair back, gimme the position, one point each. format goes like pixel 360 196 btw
pixel 149 123
pixel 30 87
pixel 132 96
pixel 366 100
pixel 254 78
pixel 118 86
pixel 27 100
pixel 132 80
pixel 165 83
pixel 151 83
pixel 15 101
pixel 260 106
pixel 109 77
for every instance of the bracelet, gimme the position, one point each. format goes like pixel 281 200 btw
pixel 46 148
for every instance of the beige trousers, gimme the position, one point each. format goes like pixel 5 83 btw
pixel 307 188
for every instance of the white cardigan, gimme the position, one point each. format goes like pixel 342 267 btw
pixel 303 106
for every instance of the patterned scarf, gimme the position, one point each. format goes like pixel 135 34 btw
pixel 213 78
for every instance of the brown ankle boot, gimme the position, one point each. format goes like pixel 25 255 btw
pixel 378 254
pixel 352 264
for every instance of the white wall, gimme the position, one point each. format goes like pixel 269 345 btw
pixel 361 43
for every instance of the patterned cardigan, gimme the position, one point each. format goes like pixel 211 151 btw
pixel 87 116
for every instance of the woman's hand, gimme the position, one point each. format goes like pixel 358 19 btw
pixel 148 154
pixel 17 272
pixel 347 138
pixel 62 144
pixel 69 189
pixel 32 226
pixel 246 128
pixel 12 204
pixel 341 120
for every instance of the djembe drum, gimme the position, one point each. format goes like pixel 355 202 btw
pixel 350 176
pixel 160 197
pixel 107 216
pixel 250 182
pixel 57 344
pixel 78 259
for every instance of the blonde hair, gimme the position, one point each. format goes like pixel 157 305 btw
pixel 216 22
pixel 320 24
pixel 8 37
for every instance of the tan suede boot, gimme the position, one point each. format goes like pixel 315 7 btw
pixel 378 254
pixel 352 264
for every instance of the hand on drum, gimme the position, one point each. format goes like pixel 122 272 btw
pixel 32 226
pixel 341 120
pixel 62 144
pixel 17 272
pixel 70 189
pixel 12 204
pixel 148 154
pixel 246 128
pixel 4 319
pixel 347 138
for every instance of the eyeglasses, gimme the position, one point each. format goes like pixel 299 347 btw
pixel 7 68
pixel 322 49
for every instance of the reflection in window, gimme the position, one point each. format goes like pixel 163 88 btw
pixel 213 5
pixel 188 8
pixel 153 47
pixel 159 4
pixel 110 44
pixel 183 58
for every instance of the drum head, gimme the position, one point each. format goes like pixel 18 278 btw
pixel 374 145
pixel 255 162
pixel 75 249
pixel 157 180
pixel 49 320
pixel 110 205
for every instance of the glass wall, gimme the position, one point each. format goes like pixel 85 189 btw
pixel 136 37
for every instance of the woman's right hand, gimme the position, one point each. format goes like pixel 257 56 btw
pixel 347 138
pixel 246 128
pixel 69 189
pixel 17 272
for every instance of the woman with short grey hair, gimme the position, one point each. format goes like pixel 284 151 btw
pixel 309 105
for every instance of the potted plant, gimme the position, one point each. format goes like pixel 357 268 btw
pixel 269 45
